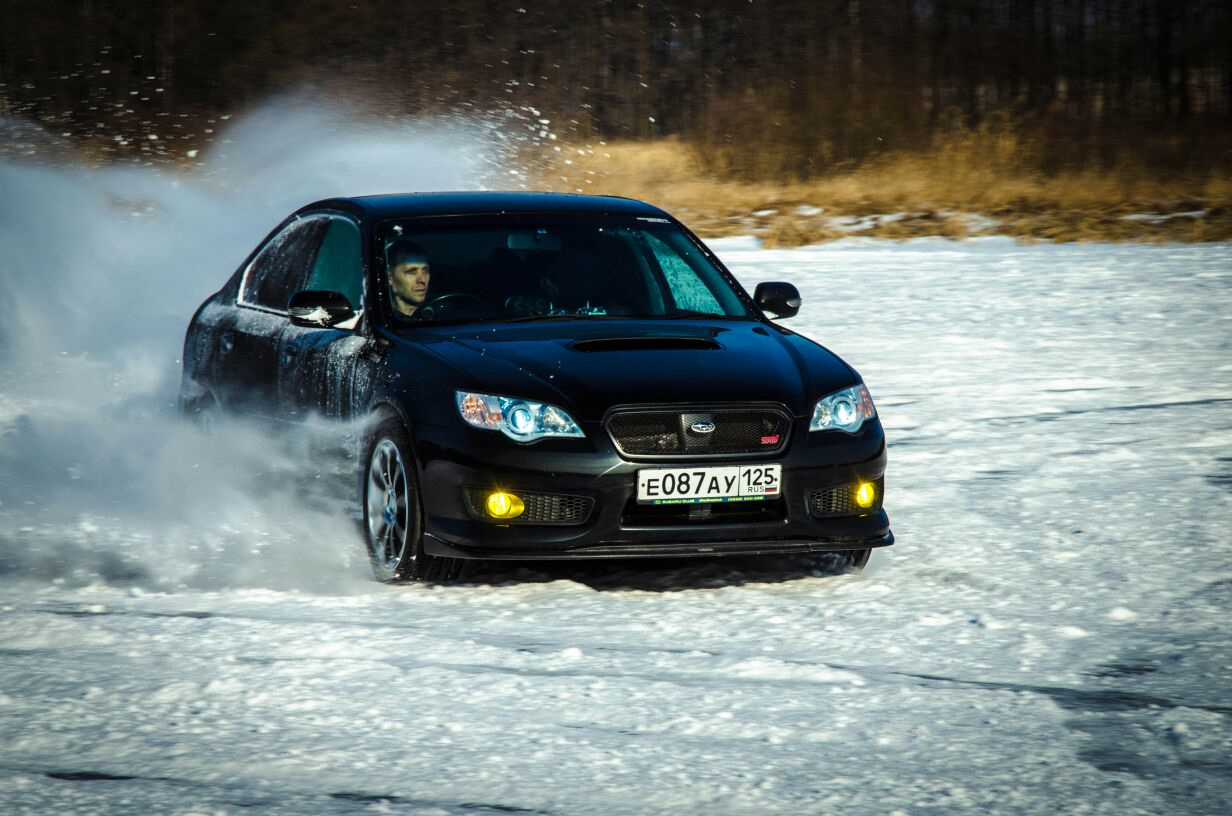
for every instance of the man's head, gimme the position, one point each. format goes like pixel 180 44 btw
pixel 409 274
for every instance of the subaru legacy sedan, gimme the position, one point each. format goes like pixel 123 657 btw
pixel 542 376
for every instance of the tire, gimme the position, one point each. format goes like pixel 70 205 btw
pixel 393 511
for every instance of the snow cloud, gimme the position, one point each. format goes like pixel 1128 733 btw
pixel 102 267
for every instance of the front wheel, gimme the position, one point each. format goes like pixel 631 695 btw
pixel 393 514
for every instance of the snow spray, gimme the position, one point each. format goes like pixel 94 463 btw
pixel 100 270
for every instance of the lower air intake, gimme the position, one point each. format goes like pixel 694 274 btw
pixel 840 500
pixel 541 508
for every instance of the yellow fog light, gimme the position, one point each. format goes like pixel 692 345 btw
pixel 503 505
pixel 866 494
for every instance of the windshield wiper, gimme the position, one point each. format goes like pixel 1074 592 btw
pixel 687 313
pixel 683 315
pixel 530 318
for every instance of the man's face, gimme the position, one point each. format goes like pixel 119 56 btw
pixel 409 282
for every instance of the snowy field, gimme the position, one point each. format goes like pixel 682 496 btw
pixel 187 625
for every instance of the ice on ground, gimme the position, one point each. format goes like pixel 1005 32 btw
pixel 1160 218
pixel 186 625
pixel 860 223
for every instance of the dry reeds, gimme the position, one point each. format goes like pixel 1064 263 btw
pixel 985 181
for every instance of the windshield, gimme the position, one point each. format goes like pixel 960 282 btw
pixel 549 267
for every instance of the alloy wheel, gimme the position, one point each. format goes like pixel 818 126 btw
pixel 388 510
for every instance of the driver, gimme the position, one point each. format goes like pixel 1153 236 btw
pixel 409 274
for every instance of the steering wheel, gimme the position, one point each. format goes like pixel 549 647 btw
pixel 429 309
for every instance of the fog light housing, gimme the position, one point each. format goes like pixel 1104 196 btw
pixel 504 505
pixel 866 494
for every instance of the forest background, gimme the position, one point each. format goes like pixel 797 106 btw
pixel 798 121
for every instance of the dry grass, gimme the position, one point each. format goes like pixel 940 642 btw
pixel 941 192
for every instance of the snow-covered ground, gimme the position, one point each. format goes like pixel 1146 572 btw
pixel 186 626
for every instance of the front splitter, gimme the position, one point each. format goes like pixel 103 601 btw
pixel 435 546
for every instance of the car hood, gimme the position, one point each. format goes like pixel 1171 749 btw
pixel 590 367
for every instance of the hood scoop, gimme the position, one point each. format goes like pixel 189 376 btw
pixel 646 344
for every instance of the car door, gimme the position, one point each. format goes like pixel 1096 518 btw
pixel 323 371
pixel 252 345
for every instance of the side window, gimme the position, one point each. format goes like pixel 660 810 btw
pixel 688 290
pixel 280 268
pixel 340 263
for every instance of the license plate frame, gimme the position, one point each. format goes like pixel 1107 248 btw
pixel 747 483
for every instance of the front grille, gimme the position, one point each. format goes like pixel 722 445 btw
pixel 672 515
pixel 541 508
pixel 840 500
pixel 676 433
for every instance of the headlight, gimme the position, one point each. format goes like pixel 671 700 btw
pixel 520 420
pixel 845 410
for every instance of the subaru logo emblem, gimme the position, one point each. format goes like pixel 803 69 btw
pixel 702 427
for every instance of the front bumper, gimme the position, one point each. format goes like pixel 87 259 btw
pixel 454 459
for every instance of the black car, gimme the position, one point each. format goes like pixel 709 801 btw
pixel 545 376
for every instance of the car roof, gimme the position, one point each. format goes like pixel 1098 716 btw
pixel 408 205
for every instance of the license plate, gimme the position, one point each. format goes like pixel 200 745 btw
pixel 714 484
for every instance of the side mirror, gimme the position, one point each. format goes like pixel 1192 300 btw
pixel 319 309
pixel 777 298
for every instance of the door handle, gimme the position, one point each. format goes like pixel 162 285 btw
pixel 227 340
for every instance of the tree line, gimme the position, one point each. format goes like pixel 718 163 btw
pixel 786 89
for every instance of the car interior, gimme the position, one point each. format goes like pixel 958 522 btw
pixel 524 273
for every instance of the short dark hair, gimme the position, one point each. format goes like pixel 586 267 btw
pixel 404 250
